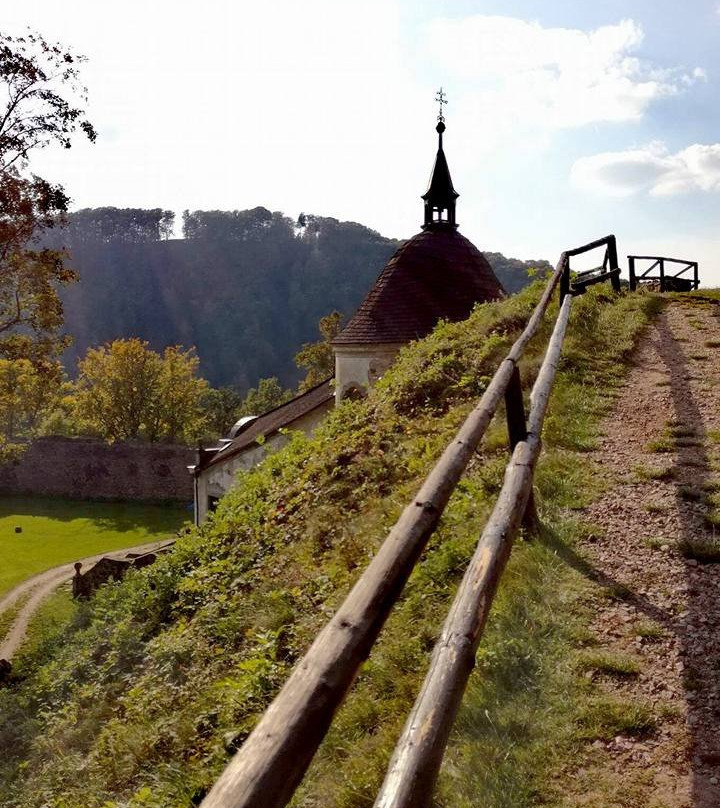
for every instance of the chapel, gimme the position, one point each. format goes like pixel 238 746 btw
pixel 438 274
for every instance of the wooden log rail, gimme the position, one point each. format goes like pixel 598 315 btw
pixel 609 271
pixel 269 766
pixel 663 276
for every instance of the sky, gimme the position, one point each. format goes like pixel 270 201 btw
pixel 566 120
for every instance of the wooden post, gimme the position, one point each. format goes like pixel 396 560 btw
pixel 631 270
pixel 565 278
pixel 418 755
pixel 695 274
pixel 517 432
pixel 662 274
pixel 613 260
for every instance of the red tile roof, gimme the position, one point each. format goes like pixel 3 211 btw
pixel 437 274
pixel 272 421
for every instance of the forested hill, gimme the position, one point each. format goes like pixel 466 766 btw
pixel 246 288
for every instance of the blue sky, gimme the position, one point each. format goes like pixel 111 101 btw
pixel 567 120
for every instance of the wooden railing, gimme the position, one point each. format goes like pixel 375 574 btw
pixel 578 282
pixel 271 763
pixel 668 282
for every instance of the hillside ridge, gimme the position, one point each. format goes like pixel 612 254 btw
pixel 246 288
pixel 170 669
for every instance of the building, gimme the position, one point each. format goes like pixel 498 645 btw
pixel 437 274
pixel 216 468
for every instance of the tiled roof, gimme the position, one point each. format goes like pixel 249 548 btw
pixel 272 421
pixel 437 274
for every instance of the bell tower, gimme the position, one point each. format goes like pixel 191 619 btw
pixel 440 196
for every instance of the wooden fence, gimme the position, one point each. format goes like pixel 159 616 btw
pixel 668 282
pixel 273 760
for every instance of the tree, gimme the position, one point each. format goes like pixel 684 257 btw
pixel 318 357
pixel 41 104
pixel 266 396
pixel 27 392
pixel 126 391
pixel 222 407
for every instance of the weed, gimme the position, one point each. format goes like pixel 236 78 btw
pixel 656 507
pixel 657 543
pixel 712 519
pixel 690 493
pixel 648 630
pixel 664 473
pixel 705 550
pixel 617 592
pixel 661 445
pixel 607 662
pixel 682 431
pixel 604 717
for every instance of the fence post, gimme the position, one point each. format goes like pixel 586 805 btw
pixel 662 274
pixel 565 278
pixel 695 274
pixel 631 270
pixel 612 255
pixel 517 432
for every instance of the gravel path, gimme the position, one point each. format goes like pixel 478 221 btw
pixel 667 610
pixel 37 588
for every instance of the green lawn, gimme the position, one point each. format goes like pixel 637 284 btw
pixel 55 531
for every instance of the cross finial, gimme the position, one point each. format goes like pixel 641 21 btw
pixel 441 99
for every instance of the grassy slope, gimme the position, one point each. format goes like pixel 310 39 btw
pixel 153 684
pixel 55 531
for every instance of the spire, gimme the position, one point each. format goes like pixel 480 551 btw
pixel 440 196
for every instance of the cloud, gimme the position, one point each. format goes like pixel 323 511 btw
pixel 650 169
pixel 552 77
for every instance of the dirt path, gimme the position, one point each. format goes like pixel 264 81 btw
pixel 665 612
pixel 34 591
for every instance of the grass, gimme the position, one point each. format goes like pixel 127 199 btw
pixel 656 507
pixel 46 628
pixel 141 687
pixel 7 617
pixel 661 445
pixel 690 493
pixel 705 550
pixel 604 717
pixel 56 531
pixel 608 662
pixel 663 474
pixel 648 630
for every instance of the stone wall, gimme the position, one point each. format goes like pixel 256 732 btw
pixel 85 468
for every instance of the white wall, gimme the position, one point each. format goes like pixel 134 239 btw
pixel 360 366
pixel 217 480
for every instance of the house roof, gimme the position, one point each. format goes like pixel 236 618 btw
pixel 437 274
pixel 274 420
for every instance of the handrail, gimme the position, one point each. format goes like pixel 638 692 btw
pixel 659 262
pixel 416 762
pixel 272 761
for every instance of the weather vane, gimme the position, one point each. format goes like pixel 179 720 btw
pixel 441 99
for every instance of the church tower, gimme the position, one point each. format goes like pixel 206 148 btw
pixel 437 274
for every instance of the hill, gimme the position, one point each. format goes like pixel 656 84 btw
pixel 246 288
pixel 152 684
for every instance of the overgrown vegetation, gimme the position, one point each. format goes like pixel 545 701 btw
pixel 151 685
